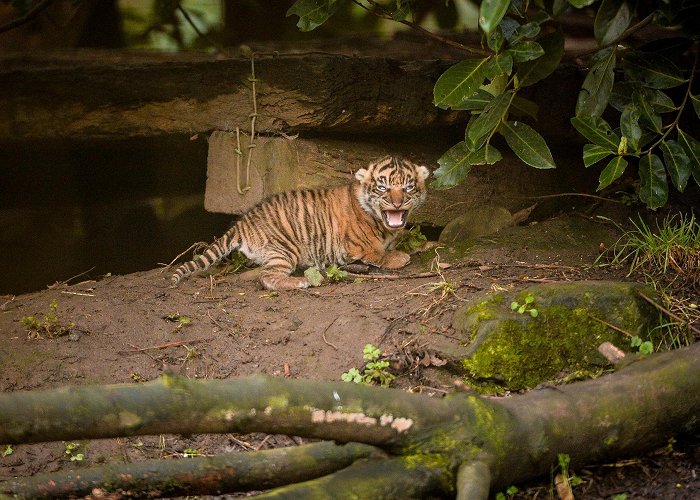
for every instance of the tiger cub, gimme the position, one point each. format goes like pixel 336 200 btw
pixel 304 228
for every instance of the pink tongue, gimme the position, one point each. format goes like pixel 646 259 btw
pixel 394 217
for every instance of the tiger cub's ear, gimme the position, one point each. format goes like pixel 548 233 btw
pixel 361 174
pixel 422 172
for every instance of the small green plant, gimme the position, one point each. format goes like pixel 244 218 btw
pixel 446 287
pixel 8 451
pixel 411 240
pixel 334 274
pixel 525 307
pixel 191 452
pixel 620 496
pixel 376 371
pixel 50 325
pixel 73 450
pixel 510 493
pixel 314 276
pixel 180 320
pixel 236 260
pixel 644 347
pixel 570 480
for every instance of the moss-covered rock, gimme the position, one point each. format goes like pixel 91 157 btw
pixel 479 221
pixel 557 332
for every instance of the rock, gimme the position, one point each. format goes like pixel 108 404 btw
pixel 478 221
pixel 558 331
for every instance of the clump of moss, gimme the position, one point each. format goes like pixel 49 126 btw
pixel 512 351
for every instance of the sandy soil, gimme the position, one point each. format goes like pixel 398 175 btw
pixel 122 333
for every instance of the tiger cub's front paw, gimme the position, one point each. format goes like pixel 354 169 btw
pixel 395 259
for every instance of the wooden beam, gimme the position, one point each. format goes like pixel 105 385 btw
pixel 94 95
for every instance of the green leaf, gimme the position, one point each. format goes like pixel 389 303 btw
pixel 579 4
pixel 660 101
pixel 592 154
pixel 454 167
pixel 529 30
pixel 403 9
pixel 596 130
pixel 558 7
pixel 527 144
pixel 497 86
pixel 652 70
pixel 532 72
pixel 622 93
pixel 611 21
pixel 648 117
pixel 459 82
pixel 487 121
pixel 517 8
pixel 654 188
pixel 456 163
pixel 491 12
pixel 496 39
pixel 524 107
pixel 597 87
pixel 478 101
pixel 502 64
pixel 696 104
pixel 313 13
pixel 488 155
pixel 629 124
pixel 314 276
pixel 692 149
pixel 526 51
pixel 677 164
pixel 612 172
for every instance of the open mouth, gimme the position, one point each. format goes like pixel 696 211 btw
pixel 394 218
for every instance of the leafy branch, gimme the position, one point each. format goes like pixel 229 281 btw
pixel 520 53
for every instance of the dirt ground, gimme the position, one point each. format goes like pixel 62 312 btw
pixel 124 332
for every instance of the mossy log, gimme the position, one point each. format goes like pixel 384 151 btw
pixel 463 444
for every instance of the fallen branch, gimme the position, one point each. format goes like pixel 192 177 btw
pixel 434 444
pixel 214 475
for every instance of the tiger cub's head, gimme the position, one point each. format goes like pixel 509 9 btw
pixel 390 188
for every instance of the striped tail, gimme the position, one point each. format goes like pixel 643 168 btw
pixel 229 242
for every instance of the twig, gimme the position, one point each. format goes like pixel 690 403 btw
pixel 561 195
pixel 629 31
pixel 32 14
pixel 65 282
pixel 666 311
pixel 174 343
pixel 610 325
pixel 193 245
pixel 427 274
pixel 324 335
pixel 253 117
pixel 206 37
pixel 78 293
pixel 381 12
pixel 11 299
pixel 260 445
pixel 240 443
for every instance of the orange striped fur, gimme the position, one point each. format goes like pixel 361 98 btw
pixel 298 229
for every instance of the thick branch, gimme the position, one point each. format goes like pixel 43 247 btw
pixel 400 477
pixel 340 411
pixel 635 409
pixel 196 476
pixel 436 442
